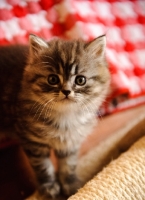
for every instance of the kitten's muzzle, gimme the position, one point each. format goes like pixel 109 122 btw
pixel 66 92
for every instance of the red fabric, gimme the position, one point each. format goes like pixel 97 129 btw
pixel 19 11
pixel 47 4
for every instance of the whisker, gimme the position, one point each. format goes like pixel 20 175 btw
pixel 39 107
pixel 88 104
pixel 48 110
pixel 44 107
pixel 36 104
pixel 83 105
pixel 51 108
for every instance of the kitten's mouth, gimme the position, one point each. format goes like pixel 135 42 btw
pixel 67 99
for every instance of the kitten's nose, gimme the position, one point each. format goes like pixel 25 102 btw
pixel 66 92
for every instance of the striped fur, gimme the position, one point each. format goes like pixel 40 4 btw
pixel 46 115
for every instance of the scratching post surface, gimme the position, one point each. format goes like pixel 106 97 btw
pixel 122 179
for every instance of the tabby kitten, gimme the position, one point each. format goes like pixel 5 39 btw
pixel 49 95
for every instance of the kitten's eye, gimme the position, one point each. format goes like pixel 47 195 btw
pixel 80 80
pixel 53 79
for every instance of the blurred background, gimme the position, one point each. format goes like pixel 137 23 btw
pixel 122 21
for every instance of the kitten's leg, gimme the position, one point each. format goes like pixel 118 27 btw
pixel 38 155
pixel 67 163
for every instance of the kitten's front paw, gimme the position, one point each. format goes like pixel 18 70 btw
pixel 70 185
pixel 49 190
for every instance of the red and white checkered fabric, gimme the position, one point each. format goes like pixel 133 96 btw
pixel 122 21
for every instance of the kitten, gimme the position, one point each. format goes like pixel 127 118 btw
pixel 49 95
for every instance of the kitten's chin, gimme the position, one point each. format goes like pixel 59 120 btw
pixel 67 100
pixel 66 104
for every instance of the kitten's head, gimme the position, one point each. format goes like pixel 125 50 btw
pixel 67 74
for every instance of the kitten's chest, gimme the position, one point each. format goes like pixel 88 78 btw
pixel 62 130
pixel 68 130
pixel 68 122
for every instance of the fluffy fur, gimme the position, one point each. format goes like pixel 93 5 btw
pixel 49 96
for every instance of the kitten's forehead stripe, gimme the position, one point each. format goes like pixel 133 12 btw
pixel 63 56
pixel 76 69
pixel 66 58
pixel 73 52
pixel 72 72
pixel 61 69
pixel 68 69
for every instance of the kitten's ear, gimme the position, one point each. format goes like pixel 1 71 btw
pixel 36 44
pixel 97 46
